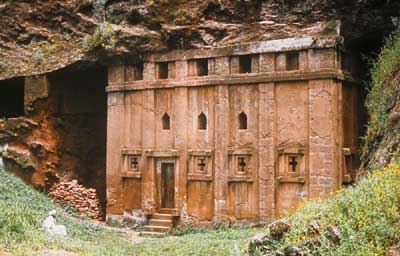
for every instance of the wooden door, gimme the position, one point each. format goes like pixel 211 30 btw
pixel 167 185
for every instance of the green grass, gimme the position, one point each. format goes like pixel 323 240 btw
pixel 22 211
pixel 367 216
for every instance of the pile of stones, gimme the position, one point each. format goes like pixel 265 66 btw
pixel 83 200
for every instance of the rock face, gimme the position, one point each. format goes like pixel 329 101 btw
pixel 40 36
pixel 83 200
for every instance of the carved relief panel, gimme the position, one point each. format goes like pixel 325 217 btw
pixel 291 165
pixel 131 167
pixel 200 165
pixel 240 165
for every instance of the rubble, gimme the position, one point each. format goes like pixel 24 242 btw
pixel 83 200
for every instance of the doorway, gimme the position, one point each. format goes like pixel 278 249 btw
pixel 167 185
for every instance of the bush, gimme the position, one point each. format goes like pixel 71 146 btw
pixel 367 216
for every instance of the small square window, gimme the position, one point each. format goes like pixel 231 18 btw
pixel 202 67
pixel 245 64
pixel 292 61
pixel 138 72
pixel 162 70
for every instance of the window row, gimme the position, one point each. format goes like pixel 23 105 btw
pixel 206 66
pixel 202 121
pixel 237 64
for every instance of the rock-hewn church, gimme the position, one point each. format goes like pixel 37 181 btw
pixel 240 133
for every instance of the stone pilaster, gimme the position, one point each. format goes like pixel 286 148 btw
pixel 115 135
pixel 266 151
pixel 221 161
pixel 323 125
pixel 180 139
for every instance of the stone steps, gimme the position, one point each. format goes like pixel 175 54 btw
pixel 152 234
pixel 160 224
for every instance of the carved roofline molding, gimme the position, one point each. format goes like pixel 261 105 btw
pixel 279 45
pixel 232 79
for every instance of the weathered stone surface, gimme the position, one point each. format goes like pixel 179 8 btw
pixel 243 143
pixel 46 36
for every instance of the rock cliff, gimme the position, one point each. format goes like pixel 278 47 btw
pixel 39 36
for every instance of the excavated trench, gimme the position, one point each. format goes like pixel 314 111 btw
pixel 62 134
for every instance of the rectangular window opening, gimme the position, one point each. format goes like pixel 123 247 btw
pixel 245 64
pixel 202 67
pixel 292 61
pixel 138 73
pixel 162 70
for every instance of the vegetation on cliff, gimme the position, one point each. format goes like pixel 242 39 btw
pixel 366 216
pixel 381 141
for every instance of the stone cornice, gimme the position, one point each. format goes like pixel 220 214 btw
pixel 232 79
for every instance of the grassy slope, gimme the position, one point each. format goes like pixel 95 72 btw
pixel 367 216
pixel 22 210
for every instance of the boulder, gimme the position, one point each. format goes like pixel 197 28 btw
pixel 278 228
pixel 333 234
pixel 256 241
pixel 293 251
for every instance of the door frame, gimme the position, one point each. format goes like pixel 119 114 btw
pixel 159 162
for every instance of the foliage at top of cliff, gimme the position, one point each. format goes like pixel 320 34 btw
pixel 39 36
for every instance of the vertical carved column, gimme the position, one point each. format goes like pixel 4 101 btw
pixel 115 127
pixel 148 135
pixel 180 132
pixel 323 133
pixel 221 161
pixel 266 151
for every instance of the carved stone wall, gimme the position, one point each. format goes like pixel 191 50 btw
pixel 249 140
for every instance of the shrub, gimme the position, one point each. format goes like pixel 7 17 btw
pixel 367 216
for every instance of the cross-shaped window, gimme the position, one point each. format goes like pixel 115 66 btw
pixel 201 163
pixel 134 163
pixel 242 164
pixel 293 163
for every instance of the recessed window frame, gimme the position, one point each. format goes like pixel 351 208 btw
pixel 292 61
pixel 166 122
pixel 202 121
pixel 162 70
pixel 243 121
pixel 245 64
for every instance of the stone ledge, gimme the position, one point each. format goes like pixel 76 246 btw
pixel 234 79
pixel 135 175
pixel 300 179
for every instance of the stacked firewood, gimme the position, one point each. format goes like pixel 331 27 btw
pixel 83 200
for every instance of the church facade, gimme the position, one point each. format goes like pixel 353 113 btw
pixel 238 133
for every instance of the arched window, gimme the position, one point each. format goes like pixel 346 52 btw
pixel 202 121
pixel 166 122
pixel 242 121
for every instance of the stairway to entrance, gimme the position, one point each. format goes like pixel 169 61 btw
pixel 160 223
